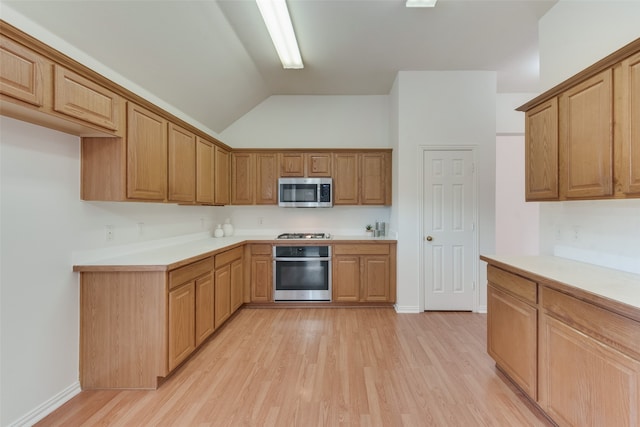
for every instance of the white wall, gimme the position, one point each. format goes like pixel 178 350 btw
pixel 574 35
pixel 517 221
pixel 441 108
pixel 299 121
pixel 44 225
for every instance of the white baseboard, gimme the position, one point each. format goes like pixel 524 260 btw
pixel 481 309
pixel 47 407
pixel 406 308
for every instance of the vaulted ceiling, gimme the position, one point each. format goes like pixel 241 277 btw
pixel 214 61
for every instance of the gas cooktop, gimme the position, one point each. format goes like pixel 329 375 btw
pixel 305 236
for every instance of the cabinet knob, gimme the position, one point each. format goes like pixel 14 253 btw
pixel 428 238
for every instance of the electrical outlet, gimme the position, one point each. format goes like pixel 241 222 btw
pixel 202 223
pixel 576 233
pixel 260 221
pixel 108 232
pixel 140 229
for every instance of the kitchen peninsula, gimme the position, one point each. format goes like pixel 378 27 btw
pixel 143 314
pixel 568 335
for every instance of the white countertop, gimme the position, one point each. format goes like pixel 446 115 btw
pixel 170 255
pixel 614 285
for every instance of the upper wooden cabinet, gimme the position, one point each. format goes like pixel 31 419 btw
pixel 254 178
pixel 292 164
pixel 222 175
pixel 205 159
pixel 582 135
pixel 146 154
pixel 362 178
pixel 318 164
pixel 182 159
pixel 541 146
pixel 586 138
pixel 628 123
pixel 22 73
pixel 83 99
pixel 303 164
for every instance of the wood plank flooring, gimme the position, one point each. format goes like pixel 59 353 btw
pixel 324 367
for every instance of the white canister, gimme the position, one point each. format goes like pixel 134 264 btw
pixel 227 227
pixel 218 232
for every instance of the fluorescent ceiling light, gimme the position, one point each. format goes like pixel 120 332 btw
pixel 276 17
pixel 421 3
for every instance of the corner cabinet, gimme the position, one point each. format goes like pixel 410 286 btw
pixel 582 136
pixel 364 272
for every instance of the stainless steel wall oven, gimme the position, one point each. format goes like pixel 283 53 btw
pixel 302 273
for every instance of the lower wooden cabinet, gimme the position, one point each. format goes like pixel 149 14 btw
pixel 511 337
pixel 261 273
pixel 191 309
pixel 228 283
pixel 182 336
pixel 580 362
pixel 364 272
pixel 589 363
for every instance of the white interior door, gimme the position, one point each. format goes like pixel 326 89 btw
pixel 449 229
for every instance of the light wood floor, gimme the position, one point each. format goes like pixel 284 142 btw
pixel 324 367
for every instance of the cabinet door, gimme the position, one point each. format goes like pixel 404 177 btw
pixel 630 123
pixel 222 294
pixel 375 283
pixel 146 154
pixel 222 175
pixel 83 99
pixel 242 178
pixel 541 152
pixel 511 338
pixel 237 284
pixel 205 297
pixel 374 168
pixel 261 278
pixel 345 179
pixel 318 164
pixel 266 179
pixel 204 171
pixel 181 323
pixel 21 74
pixel 346 278
pixel 586 141
pixel 292 164
pixel 584 382
pixel 182 162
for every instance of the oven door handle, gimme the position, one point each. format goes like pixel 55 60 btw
pixel 303 259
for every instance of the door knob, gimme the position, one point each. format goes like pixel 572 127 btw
pixel 428 238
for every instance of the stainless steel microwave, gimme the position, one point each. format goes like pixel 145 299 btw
pixel 305 192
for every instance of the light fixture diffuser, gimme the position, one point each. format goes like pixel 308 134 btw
pixel 276 17
pixel 421 3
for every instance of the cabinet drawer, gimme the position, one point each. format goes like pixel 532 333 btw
pixel 190 272
pixel 78 97
pixel 514 284
pixel 361 249
pixel 260 249
pixel 608 327
pixel 227 257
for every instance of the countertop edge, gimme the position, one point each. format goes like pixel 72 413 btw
pixel 98 267
pixel 602 301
